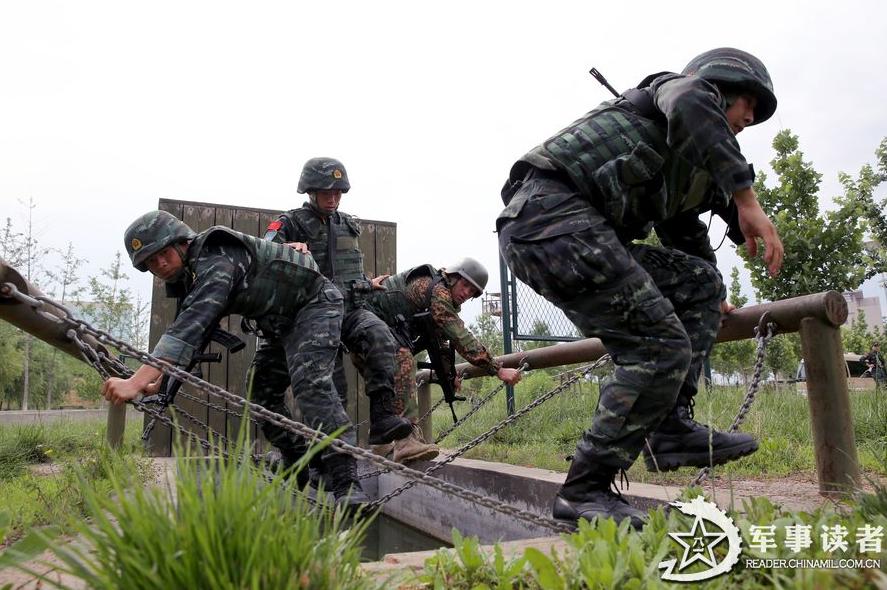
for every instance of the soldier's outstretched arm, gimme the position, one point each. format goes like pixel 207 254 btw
pixel 755 224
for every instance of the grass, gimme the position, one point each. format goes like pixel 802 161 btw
pixel 779 419
pixel 44 468
pixel 603 555
pixel 229 528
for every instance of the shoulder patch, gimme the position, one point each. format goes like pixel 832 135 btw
pixel 275 225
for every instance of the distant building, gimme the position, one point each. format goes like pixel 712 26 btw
pixel 870 306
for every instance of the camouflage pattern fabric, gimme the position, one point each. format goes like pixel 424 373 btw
pixel 363 333
pixel 640 171
pixel 450 326
pixel 319 174
pixel 406 402
pixel 656 310
pixel 303 358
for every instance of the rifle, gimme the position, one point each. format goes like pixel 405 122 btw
pixel 170 386
pixel 442 362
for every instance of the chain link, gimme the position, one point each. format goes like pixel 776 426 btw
pixel 285 422
pixel 764 331
pixel 579 373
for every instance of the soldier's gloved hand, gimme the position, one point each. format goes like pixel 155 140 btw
pixel 509 376
pixel 377 282
pixel 754 224
pixel 299 247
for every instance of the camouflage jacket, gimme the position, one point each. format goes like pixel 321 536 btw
pixel 650 167
pixel 445 314
pixel 227 272
pixel 338 255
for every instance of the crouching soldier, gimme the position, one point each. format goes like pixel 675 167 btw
pixel 654 158
pixel 219 272
pixel 331 237
pixel 421 306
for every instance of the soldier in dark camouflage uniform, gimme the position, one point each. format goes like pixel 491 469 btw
pixel 331 237
pixel 654 158
pixel 421 306
pixel 219 272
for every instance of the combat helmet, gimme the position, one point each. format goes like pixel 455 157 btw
pixel 323 174
pixel 734 68
pixel 471 270
pixel 151 233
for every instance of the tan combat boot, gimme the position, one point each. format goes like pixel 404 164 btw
pixel 382 450
pixel 414 448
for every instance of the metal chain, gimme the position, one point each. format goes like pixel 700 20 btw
pixel 580 372
pixel 287 423
pixel 764 332
pixel 458 423
pixel 436 405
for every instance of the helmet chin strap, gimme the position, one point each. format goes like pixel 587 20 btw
pixel 312 198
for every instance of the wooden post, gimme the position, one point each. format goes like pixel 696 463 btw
pixel 116 425
pixel 834 444
pixel 424 406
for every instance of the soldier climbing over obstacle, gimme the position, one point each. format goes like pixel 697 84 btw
pixel 331 237
pixel 421 307
pixel 654 158
pixel 219 272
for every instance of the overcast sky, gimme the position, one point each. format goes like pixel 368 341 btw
pixel 107 106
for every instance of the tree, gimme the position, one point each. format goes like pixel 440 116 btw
pixel 822 251
pixel 859 194
pixel 856 337
pixel 64 285
pixel 540 328
pixel 110 306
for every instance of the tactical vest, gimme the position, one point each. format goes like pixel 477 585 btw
pixel 620 160
pixel 338 256
pixel 395 309
pixel 280 280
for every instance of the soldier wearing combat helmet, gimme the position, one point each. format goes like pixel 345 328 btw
pixel 219 272
pixel 421 306
pixel 331 237
pixel 652 159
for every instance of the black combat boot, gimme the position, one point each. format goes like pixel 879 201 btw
pixel 340 471
pixel 385 425
pixel 279 460
pixel 590 491
pixel 681 441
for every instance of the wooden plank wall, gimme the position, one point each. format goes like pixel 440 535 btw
pixel 379 244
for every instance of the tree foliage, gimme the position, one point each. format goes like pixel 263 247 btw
pixel 859 194
pixel 823 250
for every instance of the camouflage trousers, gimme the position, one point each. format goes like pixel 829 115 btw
pixel 656 310
pixel 303 357
pixel 372 345
pixel 406 402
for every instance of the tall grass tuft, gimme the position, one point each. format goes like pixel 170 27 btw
pixel 228 526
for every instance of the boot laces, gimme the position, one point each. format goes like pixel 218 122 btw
pixel 623 483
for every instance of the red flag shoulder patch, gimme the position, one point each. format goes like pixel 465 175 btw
pixel 275 225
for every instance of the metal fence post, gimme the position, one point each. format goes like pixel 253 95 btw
pixel 424 406
pixel 116 425
pixel 834 444
pixel 507 294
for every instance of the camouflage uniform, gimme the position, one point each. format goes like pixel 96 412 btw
pixel 292 304
pixel 396 305
pixel 654 158
pixel 332 239
pixel 362 332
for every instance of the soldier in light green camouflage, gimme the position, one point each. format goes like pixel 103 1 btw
pixel 421 306
pixel 654 158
